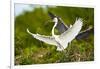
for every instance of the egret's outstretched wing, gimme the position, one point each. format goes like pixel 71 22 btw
pixel 46 39
pixel 61 27
pixel 72 32
pixel 52 16
pixel 84 34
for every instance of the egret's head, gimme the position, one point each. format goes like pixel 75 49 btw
pixel 55 20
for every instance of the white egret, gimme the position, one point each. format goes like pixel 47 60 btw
pixel 62 40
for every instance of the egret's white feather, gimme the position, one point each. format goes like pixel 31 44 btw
pixel 70 25
pixel 72 32
pixel 46 39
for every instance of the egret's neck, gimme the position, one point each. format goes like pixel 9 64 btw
pixel 55 21
pixel 53 29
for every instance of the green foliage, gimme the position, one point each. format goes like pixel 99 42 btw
pixel 28 50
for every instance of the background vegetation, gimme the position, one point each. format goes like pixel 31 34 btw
pixel 29 50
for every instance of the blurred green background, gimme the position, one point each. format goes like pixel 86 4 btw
pixel 29 50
